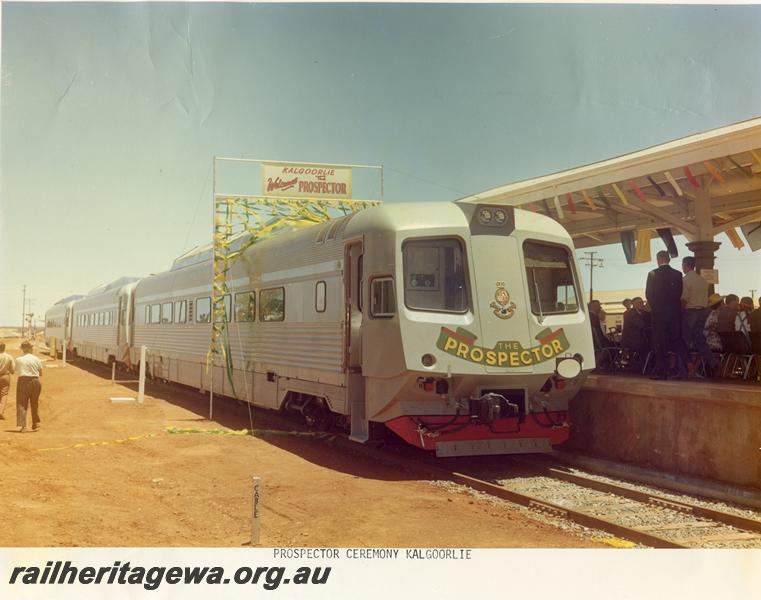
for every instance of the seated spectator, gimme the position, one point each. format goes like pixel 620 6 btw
pixel 711 327
pixel 598 335
pixel 729 321
pixel 754 319
pixel 743 324
pixel 635 335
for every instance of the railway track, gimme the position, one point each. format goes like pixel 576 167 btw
pixel 641 517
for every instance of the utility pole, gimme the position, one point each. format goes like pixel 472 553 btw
pixel 23 311
pixel 592 261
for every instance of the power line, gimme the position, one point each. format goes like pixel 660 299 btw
pixel 591 260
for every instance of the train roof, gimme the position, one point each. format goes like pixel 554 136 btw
pixel 116 283
pixel 67 299
pixel 389 217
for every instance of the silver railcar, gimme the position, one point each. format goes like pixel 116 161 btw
pixel 461 328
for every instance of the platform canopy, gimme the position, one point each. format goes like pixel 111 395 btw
pixel 698 186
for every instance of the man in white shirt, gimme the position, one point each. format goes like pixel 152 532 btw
pixel 695 312
pixel 6 370
pixel 29 370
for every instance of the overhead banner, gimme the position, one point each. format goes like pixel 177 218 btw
pixel 305 181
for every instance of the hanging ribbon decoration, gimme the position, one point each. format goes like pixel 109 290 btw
pixel 673 183
pixel 558 208
pixel 620 194
pixel 659 189
pixel 588 200
pixel 546 207
pixel 636 189
pixel 715 173
pixel 239 223
pixel 756 156
pixel 628 245
pixel 691 178
pixel 571 205
pixel 642 254
pixel 735 238
pixel 668 239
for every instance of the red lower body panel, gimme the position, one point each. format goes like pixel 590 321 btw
pixel 424 432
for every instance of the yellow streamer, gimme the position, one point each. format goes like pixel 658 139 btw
pixel 588 200
pixel 735 238
pixel 714 171
pixel 620 194
pixel 102 443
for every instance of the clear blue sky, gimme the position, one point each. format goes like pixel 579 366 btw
pixel 111 112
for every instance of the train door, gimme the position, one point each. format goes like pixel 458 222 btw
pixel 355 382
pixel 123 328
pixel 67 323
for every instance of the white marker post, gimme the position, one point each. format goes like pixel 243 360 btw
pixel 141 384
pixel 64 355
pixel 255 513
pixel 113 373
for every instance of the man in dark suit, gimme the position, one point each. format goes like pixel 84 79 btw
pixel 635 336
pixel 664 293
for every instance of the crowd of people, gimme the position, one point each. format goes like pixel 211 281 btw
pixel 678 316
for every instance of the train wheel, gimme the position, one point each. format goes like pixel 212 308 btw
pixel 318 416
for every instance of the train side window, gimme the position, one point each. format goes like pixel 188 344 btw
pixel 203 310
pixel 382 300
pixel 166 313
pixel 272 304
pixel 179 311
pixel 228 310
pixel 190 311
pixel 155 314
pixel 320 296
pixel 245 307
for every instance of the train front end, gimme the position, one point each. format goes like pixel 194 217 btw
pixel 493 331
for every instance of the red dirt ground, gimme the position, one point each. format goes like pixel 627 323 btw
pixel 165 489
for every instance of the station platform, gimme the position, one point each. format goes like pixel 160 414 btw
pixel 702 428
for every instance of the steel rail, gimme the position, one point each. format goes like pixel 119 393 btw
pixel 580 517
pixel 653 499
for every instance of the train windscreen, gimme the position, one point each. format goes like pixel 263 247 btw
pixel 550 280
pixel 434 275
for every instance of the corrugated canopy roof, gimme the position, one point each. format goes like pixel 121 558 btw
pixel 699 186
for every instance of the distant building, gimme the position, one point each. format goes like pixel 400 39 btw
pixel 611 301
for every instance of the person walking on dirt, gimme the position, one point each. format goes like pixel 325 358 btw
pixel 29 370
pixel 6 370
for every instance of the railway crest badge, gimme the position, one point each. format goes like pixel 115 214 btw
pixel 502 307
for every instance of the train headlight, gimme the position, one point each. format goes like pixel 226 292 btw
pixel 428 360
pixel 568 368
pixel 484 216
pixel 500 216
